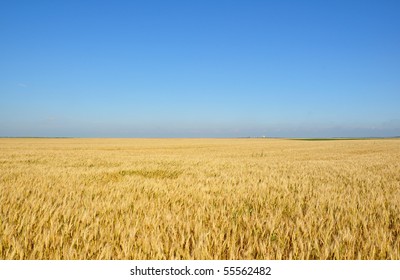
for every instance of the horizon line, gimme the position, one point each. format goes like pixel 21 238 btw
pixel 238 137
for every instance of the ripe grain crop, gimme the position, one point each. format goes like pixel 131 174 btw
pixel 199 199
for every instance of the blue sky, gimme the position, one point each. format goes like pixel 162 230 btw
pixel 200 68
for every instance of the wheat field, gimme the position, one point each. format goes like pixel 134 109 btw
pixel 199 199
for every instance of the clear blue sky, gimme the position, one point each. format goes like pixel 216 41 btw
pixel 199 68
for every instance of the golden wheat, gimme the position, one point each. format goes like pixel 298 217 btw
pixel 199 199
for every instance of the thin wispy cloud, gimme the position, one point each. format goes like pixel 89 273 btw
pixel 22 85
